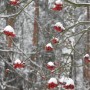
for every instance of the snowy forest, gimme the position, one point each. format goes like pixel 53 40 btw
pixel 44 45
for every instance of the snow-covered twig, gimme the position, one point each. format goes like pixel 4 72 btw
pixel 9 86
pixel 1 50
pixel 78 4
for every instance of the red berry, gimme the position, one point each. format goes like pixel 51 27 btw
pixel 48 47
pixel 57 28
pixel 55 40
pixel 14 2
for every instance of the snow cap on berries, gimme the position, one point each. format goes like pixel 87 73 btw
pixel 9 31
pixel 9 28
pixel 87 58
pixel 69 81
pixel 69 84
pixel 63 80
pixel 54 80
pixel 87 55
pixel 50 64
pixel 49 45
pixel 58 1
pixel 55 40
pixel 52 83
pixel 59 24
pixel 17 61
pixel 13 0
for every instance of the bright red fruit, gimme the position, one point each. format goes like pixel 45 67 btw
pixel 70 87
pixel 18 64
pixel 9 31
pixel 58 5
pixel 55 40
pixel 14 2
pixel 59 27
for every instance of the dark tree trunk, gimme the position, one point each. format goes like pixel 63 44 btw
pixel 36 28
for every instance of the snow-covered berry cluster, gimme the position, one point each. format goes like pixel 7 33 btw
pixel 18 64
pixel 14 2
pixel 87 58
pixel 9 31
pixel 58 5
pixel 64 82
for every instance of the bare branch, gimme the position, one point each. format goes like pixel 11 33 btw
pixel 16 14
pixel 78 4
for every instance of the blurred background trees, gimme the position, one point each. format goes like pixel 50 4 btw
pixel 33 21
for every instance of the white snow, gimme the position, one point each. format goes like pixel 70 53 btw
pixel 66 51
pixel 72 41
pixel 58 2
pixel 63 79
pixel 49 45
pixel 12 0
pixel 87 55
pixel 9 28
pixel 17 61
pixel 56 38
pixel 54 6
pixel 69 81
pixel 50 64
pixel 59 24
pixel 54 80
pixel 7 69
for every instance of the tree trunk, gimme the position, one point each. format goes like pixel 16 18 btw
pixel 87 65
pixel 36 28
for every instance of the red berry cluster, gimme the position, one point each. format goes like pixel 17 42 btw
pixel 9 33
pixel 14 2
pixel 57 5
pixel 87 58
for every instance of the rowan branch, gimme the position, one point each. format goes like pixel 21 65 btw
pixel 78 4
pixel 16 14
pixel 1 50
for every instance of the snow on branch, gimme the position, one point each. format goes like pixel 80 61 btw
pixel 1 50
pixel 78 4
pixel 13 87
pixel 79 23
pixel 6 16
